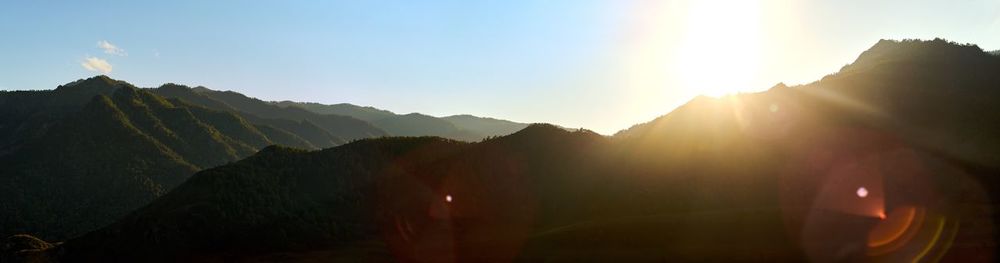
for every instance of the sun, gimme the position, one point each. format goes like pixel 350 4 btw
pixel 719 52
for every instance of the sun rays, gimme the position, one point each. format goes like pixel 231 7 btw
pixel 719 52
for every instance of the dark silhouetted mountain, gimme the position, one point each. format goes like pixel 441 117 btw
pixel 767 176
pixel 936 94
pixel 298 200
pixel 458 127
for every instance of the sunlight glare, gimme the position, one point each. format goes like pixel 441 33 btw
pixel 720 51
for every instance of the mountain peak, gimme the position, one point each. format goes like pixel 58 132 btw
pixel 936 50
pixel 79 92
pixel 276 149
pixel 539 129
pixel 174 86
pixel 95 81
pixel 779 86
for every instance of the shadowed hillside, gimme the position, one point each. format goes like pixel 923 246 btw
pixel 298 200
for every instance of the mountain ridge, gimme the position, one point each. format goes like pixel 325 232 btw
pixel 460 127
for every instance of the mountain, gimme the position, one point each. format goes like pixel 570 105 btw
pixel 458 127
pixel 317 130
pixel 299 200
pixel 304 200
pixel 415 124
pixel 345 127
pixel 890 159
pixel 61 140
pixel 28 113
pixel 78 157
pixel 485 125
pixel 346 109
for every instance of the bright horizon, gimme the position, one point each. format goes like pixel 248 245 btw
pixel 599 65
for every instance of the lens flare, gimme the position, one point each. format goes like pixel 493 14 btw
pixel 893 227
pixel 862 192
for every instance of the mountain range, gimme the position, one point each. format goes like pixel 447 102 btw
pixel 459 127
pixel 768 176
pixel 78 157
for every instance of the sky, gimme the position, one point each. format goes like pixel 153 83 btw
pixel 595 64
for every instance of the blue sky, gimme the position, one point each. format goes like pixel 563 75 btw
pixel 602 65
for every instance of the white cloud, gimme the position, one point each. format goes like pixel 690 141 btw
pixel 111 48
pixel 96 64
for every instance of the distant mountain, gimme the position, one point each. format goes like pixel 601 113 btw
pixel 484 125
pixel 772 176
pixel 332 129
pixel 415 124
pixel 346 109
pixel 458 127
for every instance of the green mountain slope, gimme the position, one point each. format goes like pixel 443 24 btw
pixel 295 131
pixel 71 166
pixel 27 114
pixel 85 172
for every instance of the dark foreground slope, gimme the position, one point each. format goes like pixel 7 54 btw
pixel 879 162
pixel 280 199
